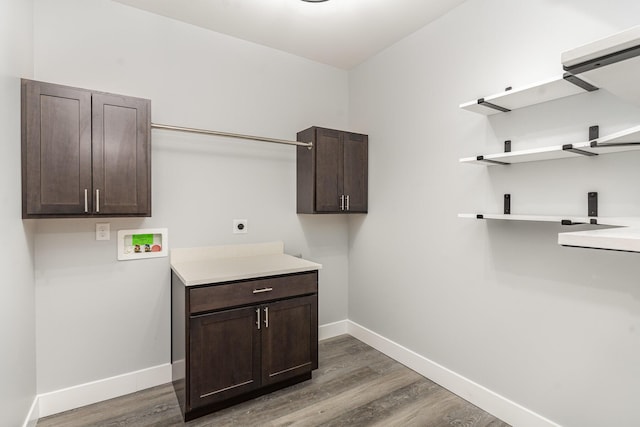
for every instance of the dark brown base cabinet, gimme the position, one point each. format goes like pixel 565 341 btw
pixel 332 177
pixel 234 341
pixel 84 153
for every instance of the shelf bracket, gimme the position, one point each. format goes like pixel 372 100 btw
pixel 507 204
pixel 596 144
pixel 507 146
pixel 594 132
pixel 495 162
pixel 479 216
pixel 484 103
pixel 569 147
pixel 609 59
pixel 579 82
pixel 592 203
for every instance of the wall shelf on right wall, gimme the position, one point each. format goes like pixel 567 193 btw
pixel 611 63
pixel 625 140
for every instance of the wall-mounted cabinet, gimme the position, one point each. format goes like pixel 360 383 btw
pixel 84 153
pixel 332 176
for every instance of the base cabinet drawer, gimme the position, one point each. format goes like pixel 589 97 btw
pixel 223 354
pixel 216 297
pixel 230 342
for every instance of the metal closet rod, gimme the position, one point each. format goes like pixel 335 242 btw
pixel 309 145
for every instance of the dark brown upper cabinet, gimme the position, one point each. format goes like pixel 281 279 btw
pixel 84 153
pixel 332 177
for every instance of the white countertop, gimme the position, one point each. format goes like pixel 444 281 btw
pixel 216 264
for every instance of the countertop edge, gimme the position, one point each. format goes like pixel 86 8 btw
pixel 238 277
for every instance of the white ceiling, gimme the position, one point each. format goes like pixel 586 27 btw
pixel 342 33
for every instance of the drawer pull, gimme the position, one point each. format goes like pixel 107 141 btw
pixel 258 322
pixel 261 291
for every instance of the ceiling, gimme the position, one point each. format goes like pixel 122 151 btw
pixel 341 33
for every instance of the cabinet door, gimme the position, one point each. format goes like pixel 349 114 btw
pixel 355 149
pixel 289 339
pixel 56 149
pixel 121 155
pixel 224 355
pixel 329 166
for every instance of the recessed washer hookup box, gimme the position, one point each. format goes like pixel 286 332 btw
pixel 142 243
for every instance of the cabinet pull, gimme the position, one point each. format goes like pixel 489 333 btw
pixel 266 317
pixel 342 202
pixel 260 291
pixel 347 202
pixel 258 322
pixel 86 203
pixel 97 200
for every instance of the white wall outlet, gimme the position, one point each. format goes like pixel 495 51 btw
pixel 240 226
pixel 103 231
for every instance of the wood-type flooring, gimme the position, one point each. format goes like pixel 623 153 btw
pixel 355 385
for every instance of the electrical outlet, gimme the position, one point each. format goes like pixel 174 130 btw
pixel 103 231
pixel 240 226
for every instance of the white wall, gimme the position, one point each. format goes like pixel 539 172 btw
pixel 17 324
pixel 97 317
pixel 554 329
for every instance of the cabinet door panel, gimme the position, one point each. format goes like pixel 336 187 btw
pixel 328 170
pixel 355 170
pixel 290 341
pixel 224 355
pixel 121 155
pixel 56 149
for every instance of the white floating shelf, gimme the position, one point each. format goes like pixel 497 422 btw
pixel 618 239
pixel 625 237
pixel 612 63
pixel 543 91
pixel 626 140
pixel 535 218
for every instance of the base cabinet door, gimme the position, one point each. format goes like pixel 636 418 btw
pixel 224 355
pixel 289 339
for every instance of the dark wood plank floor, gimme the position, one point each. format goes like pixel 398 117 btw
pixel 355 385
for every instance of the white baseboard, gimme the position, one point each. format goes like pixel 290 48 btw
pixel 331 330
pixel 497 405
pixel 34 413
pixel 85 394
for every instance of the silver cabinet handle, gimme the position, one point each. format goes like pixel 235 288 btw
pixel 342 202
pixel 260 291
pixel 86 203
pixel 347 202
pixel 266 317
pixel 97 200
pixel 258 321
